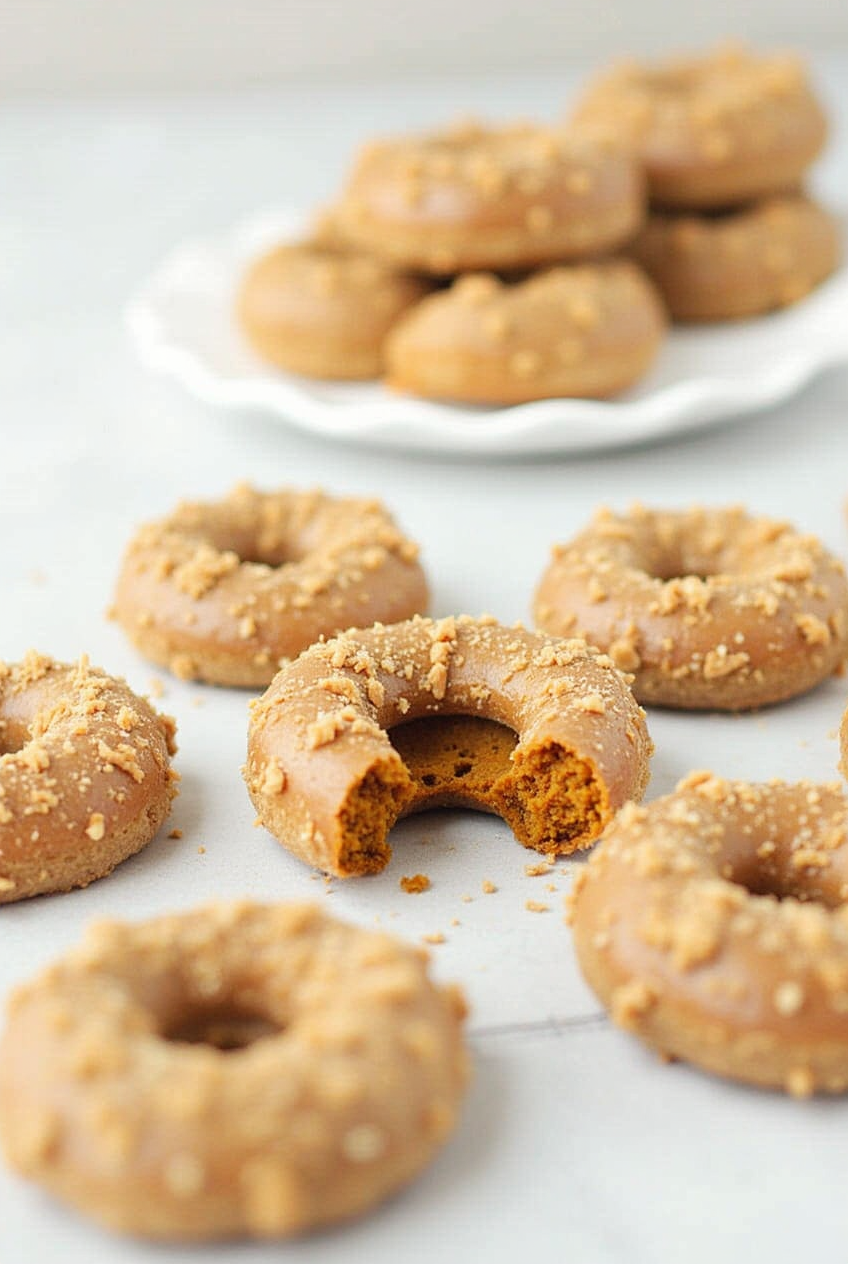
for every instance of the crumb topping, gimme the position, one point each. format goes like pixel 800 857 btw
pixel 706 607
pixel 730 896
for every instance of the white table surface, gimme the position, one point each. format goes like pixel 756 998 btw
pixel 575 1143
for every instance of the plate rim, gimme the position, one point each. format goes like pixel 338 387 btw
pixel 412 424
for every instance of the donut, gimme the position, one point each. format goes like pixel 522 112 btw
pixel 742 262
pixel 239 1070
pixel 328 783
pixel 85 777
pixel 583 330
pixel 322 312
pixel 473 197
pixel 843 745
pixel 224 591
pixel 713 130
pixel 711 924
pixel 708 608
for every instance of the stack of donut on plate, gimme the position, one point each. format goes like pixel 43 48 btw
pixel 502 264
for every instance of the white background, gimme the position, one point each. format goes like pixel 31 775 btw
pixel 575 1142
pixel 52 45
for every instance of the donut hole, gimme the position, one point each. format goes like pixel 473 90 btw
pixel 258 548
pixel 694 546
pixel 454 760
pixel 14 735
pixel 668 570
pixel 779 880
pixel 226 1026
pixel 547 796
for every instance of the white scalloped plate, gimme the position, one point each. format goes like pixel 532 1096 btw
pixel 182 325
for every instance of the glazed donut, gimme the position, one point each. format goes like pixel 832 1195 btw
pixel 715 130
pixel 474 197
pixel 585 330
pixel 711 924
pixel 328 783
pixel 85 779
pixel 740 263
pixel 238 1070
pixel 709 608
pixel 223 591
pixel 323 312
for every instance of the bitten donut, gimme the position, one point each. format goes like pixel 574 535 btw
pixel 85 776
pixel 741 263
pixel 711 924
pixel 323 312
pixel 475 197
pixel 328 783
pixel 238 1070
pixel 708 608
pixel 715 130
pixel 585 330
pixel 223 591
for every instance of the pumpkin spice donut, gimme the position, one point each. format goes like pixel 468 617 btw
pixel 712 131
pixel 587 330
pixel 237 1070
pixel 321 311
pixel 740 263
pixel 709 608
pixel 711 924
pixel 474 197
pixel 223 591
pixel 329 784
pixel 85 777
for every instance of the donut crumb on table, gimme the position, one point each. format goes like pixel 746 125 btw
pixel 415 884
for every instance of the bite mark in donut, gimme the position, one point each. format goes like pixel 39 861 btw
pixel 577 746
